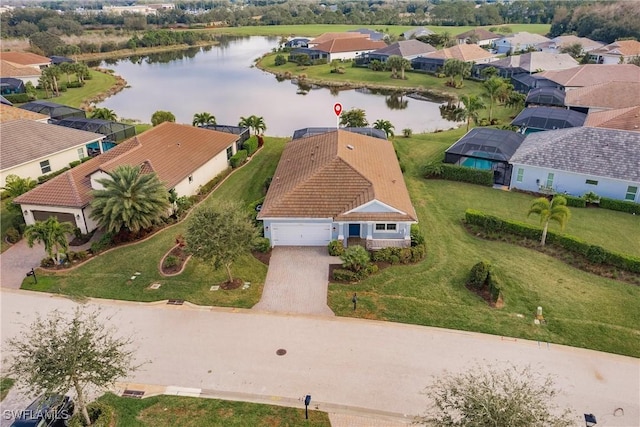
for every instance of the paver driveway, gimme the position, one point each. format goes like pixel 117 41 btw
pixel 297 281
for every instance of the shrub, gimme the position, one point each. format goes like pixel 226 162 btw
pixel 104 243
pixel 336 248
pixel 418 253
pixel 461 173
pixel 100 414
pixel 591 197
pixel 596 254
pixel 81 255
pixel 75 84
pixel 47 177
pixel 250 145
pixel 183 203
pixel 238 159
pixel 478 274
pixel 46 262
pixel 280 60
pixel 493 284
pixel 345 275
pixel 576 202
pixel 170 261
pixel 417 238
pixel 17 98
pixel 407 132
pixel 355 258
pixel 261 244
pixel 620 205
pixel 74 163
pixel 12 234
pixel 206 189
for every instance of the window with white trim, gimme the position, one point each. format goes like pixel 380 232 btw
pixel 386 227
pixel 190 179
pixel 632 191
pixel 81 153
pixel 550 180
pixel 520 175
pixel 45 167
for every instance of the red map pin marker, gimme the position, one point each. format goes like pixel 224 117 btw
pixel 337 108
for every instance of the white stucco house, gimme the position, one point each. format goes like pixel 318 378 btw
pixel 517 42
pixel 31 148
pixel 338 185
pixel 579 160
pixel 621 51
pixel 184 158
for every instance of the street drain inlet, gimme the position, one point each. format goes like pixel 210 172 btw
pixel 281 352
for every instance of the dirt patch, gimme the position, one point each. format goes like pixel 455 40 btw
pixel 235 284
pixel 264 258
pixel 485 294
pixel 182 257
pixel 79 241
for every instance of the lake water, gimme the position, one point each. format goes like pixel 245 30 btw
pixel 222 81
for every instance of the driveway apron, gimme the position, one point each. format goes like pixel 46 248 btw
pixel 16 261
pixel 297 281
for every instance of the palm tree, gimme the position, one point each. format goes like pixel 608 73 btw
pixel 396 62
pixel 515 100
pixel 129 199
pixel 52 234
pixel 456 68
pixel 355 118
pixel 386 126
pixel 203 119
pixel 52 74
pixel 15 186
pixel 104 114
pixel 254 123
pixel 472 106
pixel 554 210
pixel 494 87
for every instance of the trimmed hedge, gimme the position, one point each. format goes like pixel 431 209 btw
pixel 620 205
pixel 47 177
pixel 345 275
pixel 336 248
pixel 17 98
pixel 238 159
pixel 250 145
pixel 575 202
pixel 593 253
pixel 461 173
pixel 478 274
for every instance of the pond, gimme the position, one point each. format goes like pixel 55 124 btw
pixel 222 80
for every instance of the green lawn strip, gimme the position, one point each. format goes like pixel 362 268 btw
pixel 190 411
pixel 5 385
pixel 109 276
pixel 6 219
pixel 73 97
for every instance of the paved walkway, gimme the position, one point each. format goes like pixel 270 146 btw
pixel 297 281
pixel 348 366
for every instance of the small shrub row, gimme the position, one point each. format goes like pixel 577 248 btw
pixel 575 202
pixel 75 84
pixel 593 253
pixel 47 177
pixel 12 235
pixel 206 189
pixel 105 242
pixel 250 145
pixel 344 275
pixel 77 256
pixel 620 205
pixel 261 244
pixel 417 239
pixel 463 174
pixel 238 159
pixel 400 255
pixel 17 98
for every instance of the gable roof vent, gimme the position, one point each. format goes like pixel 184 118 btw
pixel 350 147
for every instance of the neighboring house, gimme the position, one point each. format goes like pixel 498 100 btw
pixel 433 62
pixel 26 59
pixel 24 73
pixel 408 49
pixel 578 160
pixel 604 96
pixel 373 35
pixel 297 43
pixel 545 96
pixel 618 52
pixel 518 42
pixel 327 37
pixel 525 82
pixel 53 110
pixel 530 63
pixel 57 60
pixel 478 36
pixel 417 32
pixel 184 158
pixel 557 44
pixel 621 119
pixel 10 86
pixel 536 119
pixel 335 186
pixel 9 113
pixel 592 74
pixel 343 49
pixel 30 149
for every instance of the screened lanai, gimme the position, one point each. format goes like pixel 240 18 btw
pixel 53 110
pixel 545 96
pixel 114 131
pixel 535 119
pixel 303 133
pixel 488 149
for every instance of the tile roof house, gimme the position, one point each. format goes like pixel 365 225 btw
pixel 21 72
pixel 478 36
pixel 622 119
pixel 326 37
pixel 518 42
pixel 432 62
pixel 184 158
pixel 532 62
pixel 592 74
pixel 417 32
pixel 373 35
pixel 614 53
pixel 30 148
pixel 342 49
pixel 334 186
pixel 9 113
pixel 26 59
pixel 578 160
pixel 408 49
pixel 556 44
pixel 604 96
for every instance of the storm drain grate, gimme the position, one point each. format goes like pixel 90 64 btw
pixel 281 352
pixel 175 302
pixel 134 394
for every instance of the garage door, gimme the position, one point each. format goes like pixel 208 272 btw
pixel 62 217
pixel 301 234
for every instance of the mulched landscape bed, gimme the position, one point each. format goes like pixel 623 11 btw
pixel 262 257
pixel 381 266
pixel 227 286
pixel 182 256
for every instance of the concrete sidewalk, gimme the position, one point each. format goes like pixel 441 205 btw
pixel 357 365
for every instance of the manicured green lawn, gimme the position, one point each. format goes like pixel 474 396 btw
pixel 191 411
pixel 73 97
pixel 5 386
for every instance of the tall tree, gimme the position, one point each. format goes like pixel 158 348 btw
pixel 355 118
pixel 455 68
pixel 52 234
pixel 15 186
pixel 220 233
pixel 104 114
pixel 494 87
pixel 472 106
pixel 161 117
pixel 52 74
pixel 398 63
pixel 129 199
pixel 555 210
pixel 386 126
pixel 514 397
pixel 55 354
pixel 254 123
pixel 203 119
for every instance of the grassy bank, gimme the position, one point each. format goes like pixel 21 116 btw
pixel 75 97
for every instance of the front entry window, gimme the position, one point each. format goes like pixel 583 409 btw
pixel 386 227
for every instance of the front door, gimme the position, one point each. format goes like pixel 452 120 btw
pixel 354 230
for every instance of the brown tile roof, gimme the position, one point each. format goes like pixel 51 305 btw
pixel 22 141
pixel 172 150
pixel 622 119
pixel 350 45
pixel 605 95
pixel 463 52
pixel 25 58
pixel 333 36
pixel 9 113
pixel 535 61
pixel 568 40
pixel 593 74
pixel 9 69
pixel 621 47
pixel 480 33
pixel 327 175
